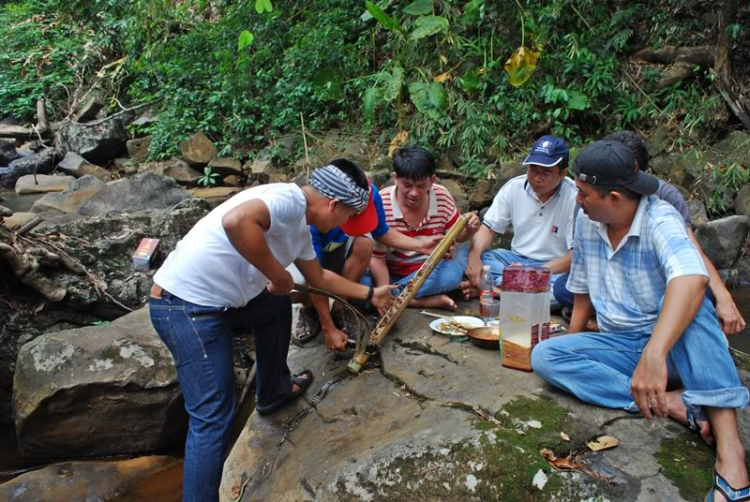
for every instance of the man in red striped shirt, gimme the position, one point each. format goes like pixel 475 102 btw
pixel 417 207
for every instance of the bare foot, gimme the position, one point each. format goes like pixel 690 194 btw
pixel 469 290
pixel 677 411
pixel 295 387
pixel 434 302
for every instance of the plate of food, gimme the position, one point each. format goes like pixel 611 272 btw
pixel 456 325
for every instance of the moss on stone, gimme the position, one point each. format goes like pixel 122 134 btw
pixel 688 462
pixel 499 464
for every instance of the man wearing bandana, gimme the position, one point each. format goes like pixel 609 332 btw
pixel 232 266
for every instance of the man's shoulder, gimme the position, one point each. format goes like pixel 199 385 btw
pixel 386 192
pixel 441 192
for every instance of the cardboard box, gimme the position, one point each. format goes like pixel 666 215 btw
pixel 145 252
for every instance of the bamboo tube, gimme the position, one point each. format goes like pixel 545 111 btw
pixel 411 289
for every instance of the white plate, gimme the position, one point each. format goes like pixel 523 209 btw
pixel 468 321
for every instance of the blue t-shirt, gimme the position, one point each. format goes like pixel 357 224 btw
pixel 325 243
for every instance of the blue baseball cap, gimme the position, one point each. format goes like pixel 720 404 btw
pixel 548 151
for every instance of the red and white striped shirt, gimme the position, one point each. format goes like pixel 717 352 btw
pixel 441 216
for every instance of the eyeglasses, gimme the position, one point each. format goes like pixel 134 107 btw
pixel 544 174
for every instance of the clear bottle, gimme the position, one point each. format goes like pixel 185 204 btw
pixel 486 288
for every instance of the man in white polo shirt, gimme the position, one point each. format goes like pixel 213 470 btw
pixel 540 205
pixel 232 267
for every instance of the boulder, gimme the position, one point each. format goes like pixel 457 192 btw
pixel 214 195
pixel 98 390
pixel 435 420
pixel 127 167
pixel 4 211
pixel 17 219
pixel 7 151
pixel 145 191
pixel 177 169
pixel 143 479
pixel 723 239
pixel 659 141
pixel 198 150
pixel 507 171
pixel 735 148
pixel 662 165
pixel 742 201
pixel 146 119
pixel 89 111
pixel 260 165
pixel 39 163
pixel 685 173
pixel 98 142
pixel 455 189
pixel 226 166
pixel 77 166
pixel 481 195
pixel 138 149
pixel 233 181
pixel 70 199
pixel 698 214
pixel 42 183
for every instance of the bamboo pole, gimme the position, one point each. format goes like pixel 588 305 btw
pixel 393 314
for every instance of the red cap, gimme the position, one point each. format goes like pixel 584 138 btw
pixel 363 222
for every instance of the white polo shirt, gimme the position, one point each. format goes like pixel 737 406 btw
pixel 205 268
pixel 542 231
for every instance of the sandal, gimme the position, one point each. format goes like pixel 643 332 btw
pixel 308 325
pixel 729 493
pixel 302 383
pixel 346 322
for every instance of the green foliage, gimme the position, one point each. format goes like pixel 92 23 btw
pixel 208 178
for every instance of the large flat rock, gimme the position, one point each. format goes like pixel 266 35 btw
pixel 414 427
pixel 99 390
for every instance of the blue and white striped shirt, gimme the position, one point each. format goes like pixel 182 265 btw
pixel 627 284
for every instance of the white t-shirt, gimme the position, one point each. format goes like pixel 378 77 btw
pixel 205 269
pixel 542 231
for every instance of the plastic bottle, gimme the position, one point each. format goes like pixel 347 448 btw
pixel 486 288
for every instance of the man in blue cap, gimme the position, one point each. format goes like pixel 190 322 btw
pixel 540 205
pixel 635 264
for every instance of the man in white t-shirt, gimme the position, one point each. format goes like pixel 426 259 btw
pixel 540 206
pixel 232 266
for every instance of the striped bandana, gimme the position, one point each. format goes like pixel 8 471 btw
pixel 334 184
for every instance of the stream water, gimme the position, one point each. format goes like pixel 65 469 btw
pixel 18 203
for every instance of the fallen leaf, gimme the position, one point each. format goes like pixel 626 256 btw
pixel 603 443
pixel 442 77
pixel 401 138
pixel 521 432
pixel 536 424
pixel 564 436
pixel 540 479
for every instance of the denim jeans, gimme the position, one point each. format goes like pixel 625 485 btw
pixel 200 341
pixel 598 367
pixel 565 297
pixel 498 259
pixel 445 277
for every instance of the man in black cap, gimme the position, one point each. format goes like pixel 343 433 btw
pixel 634 263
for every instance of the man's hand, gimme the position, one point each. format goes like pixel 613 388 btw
pixel 382 297
pixel 430 243
pixel 282 284
pixel 335 339
pixel 474 270
pixel 649 384
pixel 729 317
pixel 472 223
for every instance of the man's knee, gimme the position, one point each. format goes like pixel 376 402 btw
pixel 544 358
pixel 361 248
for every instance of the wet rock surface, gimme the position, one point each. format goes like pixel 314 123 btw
pixel 144 192
pixel 144 479
pixel 417 428
pixel 96 391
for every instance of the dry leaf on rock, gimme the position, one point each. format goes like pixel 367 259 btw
pixel 564 436
pixel 603 443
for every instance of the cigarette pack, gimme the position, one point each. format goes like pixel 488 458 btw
pixel 144 254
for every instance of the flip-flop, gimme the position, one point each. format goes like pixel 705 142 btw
pixel 308 325
pixel 729 493
pixel 302 383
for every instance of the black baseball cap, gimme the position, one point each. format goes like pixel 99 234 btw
pixel 610 163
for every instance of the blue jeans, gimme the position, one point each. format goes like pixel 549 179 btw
pixel 498 259
pixel 445 277
pixel 598 367
pixel 200 341
pixel 565 297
